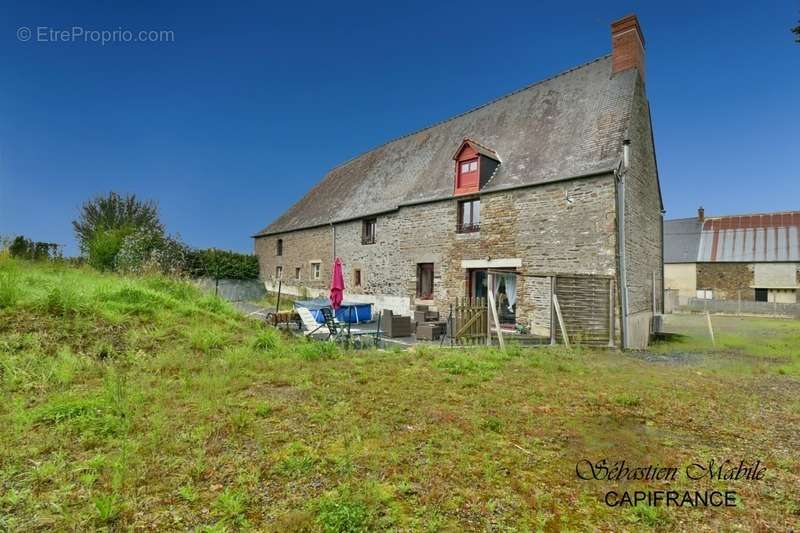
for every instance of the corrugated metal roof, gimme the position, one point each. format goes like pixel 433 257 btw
pixel 768 237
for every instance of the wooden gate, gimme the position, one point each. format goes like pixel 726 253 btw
pixel 587 308
pixel 469 321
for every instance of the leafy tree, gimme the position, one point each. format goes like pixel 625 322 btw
pixel 115 212
pixel 24 248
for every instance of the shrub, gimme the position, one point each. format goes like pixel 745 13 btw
pixel 104 247
pixel 222 264
pixel 149 250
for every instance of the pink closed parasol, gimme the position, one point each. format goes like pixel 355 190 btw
pixel 337 285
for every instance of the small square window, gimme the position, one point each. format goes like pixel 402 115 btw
pixel 316 270
pixel 357 278
pixel 368 227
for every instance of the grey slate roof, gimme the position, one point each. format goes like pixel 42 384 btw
pixel 681 240
pixel 566 126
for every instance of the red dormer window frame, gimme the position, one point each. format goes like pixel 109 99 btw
pixel 469 158
pixel 467 182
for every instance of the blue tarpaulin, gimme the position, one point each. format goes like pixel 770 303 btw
pixel 352 312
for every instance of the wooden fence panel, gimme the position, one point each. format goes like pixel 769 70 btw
pixel 586 305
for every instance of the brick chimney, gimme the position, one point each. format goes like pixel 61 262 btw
pixel 627 45
pixel 701 214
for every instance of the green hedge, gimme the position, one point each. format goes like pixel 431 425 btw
pixel 222 264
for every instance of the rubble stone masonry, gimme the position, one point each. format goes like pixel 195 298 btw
pixel 566 227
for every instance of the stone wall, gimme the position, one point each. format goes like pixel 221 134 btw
pixel 728 280
pixel 643 218
pixel 300 248
pixel 643 225
pixel 560 228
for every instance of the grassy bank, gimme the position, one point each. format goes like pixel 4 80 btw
pixel 143 404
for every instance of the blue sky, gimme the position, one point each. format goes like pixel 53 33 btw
pixel 231 122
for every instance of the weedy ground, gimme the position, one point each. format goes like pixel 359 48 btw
pixel 140 403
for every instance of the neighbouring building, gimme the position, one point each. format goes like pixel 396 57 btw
pixel 733 257
pixel 558 178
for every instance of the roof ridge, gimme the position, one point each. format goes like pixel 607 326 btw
pixel 472 110
pixel 771 213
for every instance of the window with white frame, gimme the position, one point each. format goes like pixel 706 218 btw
pixel 279 272
pixel 316 270
pixel 705 294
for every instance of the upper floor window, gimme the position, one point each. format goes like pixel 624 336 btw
pixel 368 227
pixel 279 247
pixel 469 216
pixel 467 174
pixel 469 166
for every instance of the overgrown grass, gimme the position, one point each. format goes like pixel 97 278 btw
pixel 141 403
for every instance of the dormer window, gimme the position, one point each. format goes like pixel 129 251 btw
pixel 475 165
pixel 468 175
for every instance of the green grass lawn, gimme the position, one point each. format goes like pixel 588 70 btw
pixel 143 404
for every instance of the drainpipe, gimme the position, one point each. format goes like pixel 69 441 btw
pixel 619 182
pixel 333 237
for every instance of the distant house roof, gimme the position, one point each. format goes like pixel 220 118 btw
pixel 564 127
pixel 767 237
pixel 681 240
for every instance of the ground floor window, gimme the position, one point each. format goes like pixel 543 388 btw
pixel 279 272
pixel 357 278
pixel 762 295
pixel 705 294
pixel 425 281
pixel 297 273
pixel 315 270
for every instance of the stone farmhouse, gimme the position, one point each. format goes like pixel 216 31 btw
pixel 558 178
pixel 735 257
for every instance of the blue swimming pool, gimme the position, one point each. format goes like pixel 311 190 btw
pixel 352 312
